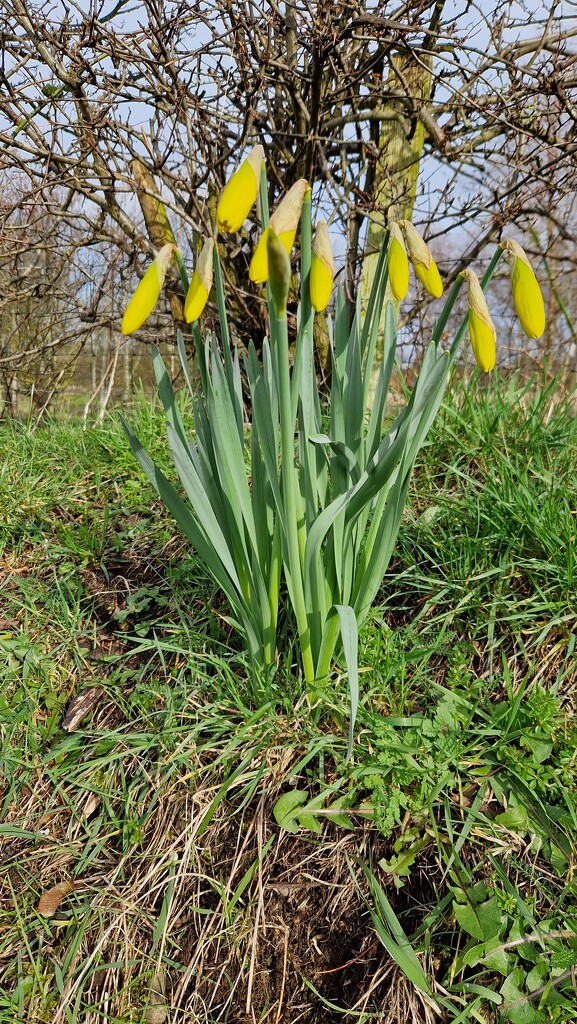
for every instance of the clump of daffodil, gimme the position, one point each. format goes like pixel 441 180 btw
pixel 284 222
pixel 398 263
pixel 148 291
pixel 322 268
pixel 422 260
pixel 201 283
pixel 481 329
pixel 525 290
pixel 239 194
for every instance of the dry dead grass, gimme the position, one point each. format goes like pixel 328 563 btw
pixel 210 913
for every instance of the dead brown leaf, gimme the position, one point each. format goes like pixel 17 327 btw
pixel 51 899
pixel 80 706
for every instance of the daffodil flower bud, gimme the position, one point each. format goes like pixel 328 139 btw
pixel 279 266
pixel 284 223
pixel 481 329
pixel 398 263
pixel 422 260
pixel 240 192
pixel 201 283
pixel 148 291
pixel 525 289
pixel 322 268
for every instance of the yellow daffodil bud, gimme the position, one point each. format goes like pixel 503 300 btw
pixel 322 268
pixel 422 260
pixel 258 270
pixel 240 192
pixel 148 291
pixel 398 263
pixel 284 222
pixel 199 288
pixel 481 330
pixel 279 267
pixel 525 290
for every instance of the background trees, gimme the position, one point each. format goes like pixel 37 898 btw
pixel 464 119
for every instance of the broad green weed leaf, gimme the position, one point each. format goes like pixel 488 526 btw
pixel 308 819
pixel 474 955
pixel 537 977
pixel 466 915
pixel 515 818
pixel 497 958
pixel 516 1008
pixel 342 820
pixel 286 806
pixel 491 918
pixel 490 954
pixel 400 864
pixel 540 747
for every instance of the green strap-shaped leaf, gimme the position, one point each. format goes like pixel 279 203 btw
pixel 207 545
pixel 266 419
pixel 229 453
pixel 393 936
pixel 370 324
pixel 353 393
pixel 379 546
pixel 343 453
pixel 203 509
pixel 184 362
pixel 350 641
pixel 233 380
pixel 378 406
pixel 167 395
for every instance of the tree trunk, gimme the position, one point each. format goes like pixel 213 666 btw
pixel 396 172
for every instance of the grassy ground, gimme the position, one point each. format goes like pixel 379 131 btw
pixel 182 843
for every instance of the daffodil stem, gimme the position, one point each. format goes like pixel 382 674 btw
pixel 491 268
pixel 182 271
pixel 292 513
pixel 263 198
pixel 306 248
pixel 447 310
pixel 329 640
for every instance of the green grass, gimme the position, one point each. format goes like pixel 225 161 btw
pixel 224 852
